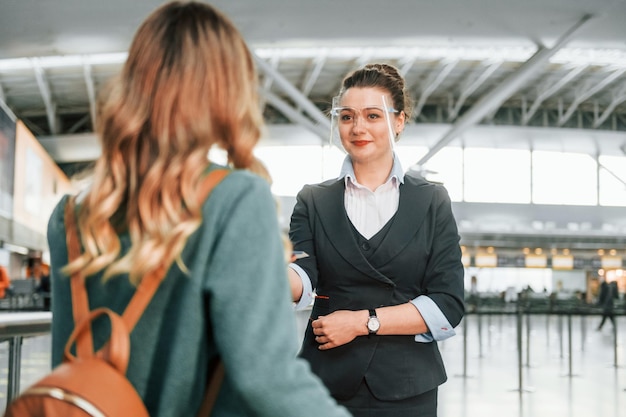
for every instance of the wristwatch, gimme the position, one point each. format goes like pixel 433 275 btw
pixel 373 324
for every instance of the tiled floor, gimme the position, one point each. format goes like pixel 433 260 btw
pixel 484 374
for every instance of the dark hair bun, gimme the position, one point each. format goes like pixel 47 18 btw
pixel 388 70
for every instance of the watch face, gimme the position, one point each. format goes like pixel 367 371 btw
pixel 373 324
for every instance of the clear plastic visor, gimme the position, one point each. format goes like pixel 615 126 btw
pixel 375 120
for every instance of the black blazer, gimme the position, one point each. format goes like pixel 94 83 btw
pixel 419 255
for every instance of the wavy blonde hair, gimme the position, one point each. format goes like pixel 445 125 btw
pixel 189 82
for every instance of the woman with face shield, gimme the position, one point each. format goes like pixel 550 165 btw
pixel 384 268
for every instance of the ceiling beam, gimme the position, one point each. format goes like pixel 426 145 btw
pixel 365 58
pixel 406 64
pixel 314 74
pixel 91 92
pixel 268 81
pixel 546 91
pixel 584 95
pixel 83 120
pixel 46 95
pixel 33 127
pixel 295 116
pixel 432 83
pixel 471 86
pixel 495 97
pixel 7 110
pixel 618 98
pixel 296 95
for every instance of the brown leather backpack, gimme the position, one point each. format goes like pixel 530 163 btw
pixel 94 383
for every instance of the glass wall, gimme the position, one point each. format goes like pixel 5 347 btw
pixel 564 178
pixel 481 175
pixel 612 175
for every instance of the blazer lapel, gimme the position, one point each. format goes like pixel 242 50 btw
pixel 415 200
pixel 329 203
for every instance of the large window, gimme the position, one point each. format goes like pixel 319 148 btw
pixel 497 175
pixel 293 166
pixel 445 167
pixel 612 180
pixel 484 175
pixel 409 155
pixel 564 178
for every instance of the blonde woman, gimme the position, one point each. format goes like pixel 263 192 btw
pixel 189 83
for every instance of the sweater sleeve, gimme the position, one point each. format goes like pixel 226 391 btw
pixel 251 311
pixel 62 318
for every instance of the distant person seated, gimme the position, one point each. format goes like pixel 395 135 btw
pixel 44 284
pixel 40 273
pixel 43 289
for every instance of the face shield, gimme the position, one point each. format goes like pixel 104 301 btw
pixel 353 129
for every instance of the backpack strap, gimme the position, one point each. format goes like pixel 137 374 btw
pixel 213 386
pixel 146 288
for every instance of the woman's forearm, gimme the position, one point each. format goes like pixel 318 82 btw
pixel 403 319
pixel 295 283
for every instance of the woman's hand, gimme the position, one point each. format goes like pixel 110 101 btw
pixel 339 328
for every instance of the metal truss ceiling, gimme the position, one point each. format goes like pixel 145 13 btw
pixel 560 63
pixel 569 89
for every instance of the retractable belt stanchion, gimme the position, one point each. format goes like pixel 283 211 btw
pixel 569 345
pixel 464 374
pixel 569 342
pixel 465 346
pixel 583 331
pixel 548 318
pixel 480 336
pixel 615 364
pixel 14 328
pixel 15 355
pixel 528 339
pixel 519 349
pixel 519 324
pixel 561 333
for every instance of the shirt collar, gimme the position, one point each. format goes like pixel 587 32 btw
pixel 347 170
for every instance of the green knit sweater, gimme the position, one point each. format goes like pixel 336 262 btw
pixel 237 286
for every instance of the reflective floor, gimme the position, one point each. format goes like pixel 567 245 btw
pixel 577 373
pixel 560 373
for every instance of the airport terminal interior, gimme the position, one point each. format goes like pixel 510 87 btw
pixel 519 111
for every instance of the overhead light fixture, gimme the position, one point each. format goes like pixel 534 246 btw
pixel 577 56
pixel 476 52
pixel 59 61
pixel 15 248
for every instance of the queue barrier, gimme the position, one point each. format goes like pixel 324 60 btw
pixel 23 295
pixel 526 307
pixel 14 327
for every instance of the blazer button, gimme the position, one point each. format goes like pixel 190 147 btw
pixel 365 246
